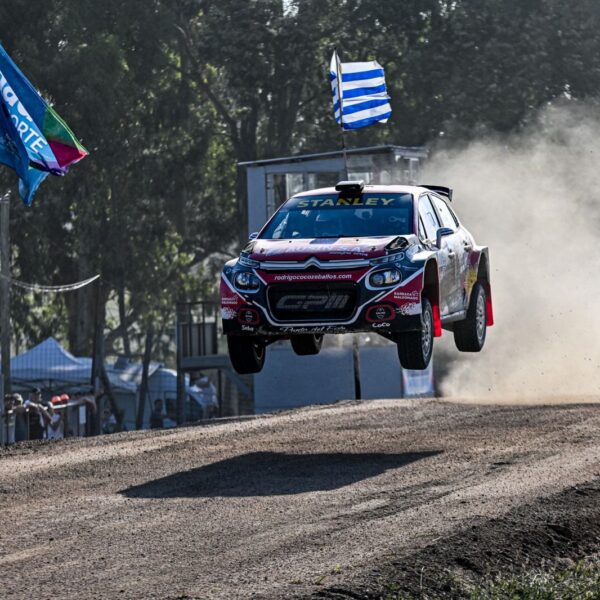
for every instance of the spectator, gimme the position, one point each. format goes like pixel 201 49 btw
pixel 14 403
pixel 90 399
pixel 8 419
pixel 38 415
pixel 109 421
pixel 55 429
pixel 156 417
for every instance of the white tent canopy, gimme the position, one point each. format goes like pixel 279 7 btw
pixel 162 383
pixel 49 366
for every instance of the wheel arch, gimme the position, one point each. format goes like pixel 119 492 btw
pixel 431 291
pixel 483 277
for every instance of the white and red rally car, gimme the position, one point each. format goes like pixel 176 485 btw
pixel 389 259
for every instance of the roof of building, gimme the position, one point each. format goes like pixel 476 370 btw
pixel 403 151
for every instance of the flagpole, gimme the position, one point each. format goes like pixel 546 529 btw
pixel 338 68
pixel 5 290
pixel 346 176
pixel 355 350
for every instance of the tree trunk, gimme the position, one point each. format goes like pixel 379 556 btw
pixel 81 312
pixel 123 319
pixel 99 352
pixel 139 422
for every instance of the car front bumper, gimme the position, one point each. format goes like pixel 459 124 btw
pixel 341 303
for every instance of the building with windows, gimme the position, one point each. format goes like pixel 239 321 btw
pixel 271 182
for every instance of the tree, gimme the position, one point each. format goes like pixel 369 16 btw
pixel 170 96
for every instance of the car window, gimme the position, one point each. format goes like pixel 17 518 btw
pixel 428 217
pixel 422 233
pixel 447 217
pixel 337 215
pixel 453 215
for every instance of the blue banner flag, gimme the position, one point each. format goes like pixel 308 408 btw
pixel 34 140
pixel 360 96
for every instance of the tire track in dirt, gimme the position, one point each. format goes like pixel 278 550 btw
pixel 288 505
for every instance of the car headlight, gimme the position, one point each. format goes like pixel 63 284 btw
pixel 384 278
pixel 388 258
pixel 246 281
pixel 248 262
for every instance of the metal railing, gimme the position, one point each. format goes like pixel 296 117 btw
pixel 198 328
pixel 78 420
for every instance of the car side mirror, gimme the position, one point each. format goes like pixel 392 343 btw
pixel 442 232
pixel 253 235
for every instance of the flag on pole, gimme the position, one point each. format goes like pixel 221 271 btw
pixel 34 140
pixel 362 97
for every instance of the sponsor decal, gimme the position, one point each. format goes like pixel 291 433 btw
pixel 313 277
pixel 379 325
pixel 410 309
pixel 382 312
pixel 413 296
pixel 331 249
pixel 228 295
pixel 248 328
pixel 471 279
pixel 322 202
pixel 312 301
pixel 228 313
pixel 248 316
pixel 320 329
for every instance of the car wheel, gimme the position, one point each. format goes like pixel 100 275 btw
pixel 307 344
pixel 469 335
pixel 415 347
pixel 247 353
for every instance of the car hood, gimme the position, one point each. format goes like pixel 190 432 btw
pixel 321 248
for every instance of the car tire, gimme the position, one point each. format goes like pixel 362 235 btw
pixel 307 344
pixel 469 335
pixel 247 353
pixel 416 347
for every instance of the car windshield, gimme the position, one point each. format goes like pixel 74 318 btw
pixel 334 216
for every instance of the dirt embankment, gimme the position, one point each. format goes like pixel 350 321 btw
pixel 341 501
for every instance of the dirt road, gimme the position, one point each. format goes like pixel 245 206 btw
pixel 313 502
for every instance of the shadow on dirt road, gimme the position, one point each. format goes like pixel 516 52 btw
pixel 272 473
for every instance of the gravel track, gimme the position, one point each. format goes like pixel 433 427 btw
pixel 297 504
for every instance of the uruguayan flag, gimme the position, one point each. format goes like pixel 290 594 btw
pixel 362 98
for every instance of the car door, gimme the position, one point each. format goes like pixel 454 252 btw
pixel 429 223
pixel 457 252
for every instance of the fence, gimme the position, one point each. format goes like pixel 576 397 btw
pixel 179 397
pixel 69 418
pixel 202 352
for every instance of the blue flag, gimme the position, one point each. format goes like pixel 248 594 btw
pixel 14 155
pixel 34 140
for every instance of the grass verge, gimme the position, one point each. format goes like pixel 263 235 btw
pixel 569 581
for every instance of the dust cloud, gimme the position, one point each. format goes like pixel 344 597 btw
pixel 534 199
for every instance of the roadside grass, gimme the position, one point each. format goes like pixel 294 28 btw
pixel 578 581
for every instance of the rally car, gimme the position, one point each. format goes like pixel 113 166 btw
pixel 389 259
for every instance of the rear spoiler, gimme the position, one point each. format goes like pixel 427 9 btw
pixel 440 189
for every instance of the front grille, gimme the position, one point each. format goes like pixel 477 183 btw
pixel 312 302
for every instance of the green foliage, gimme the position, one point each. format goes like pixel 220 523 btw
pixel 580 582
pixel 169 96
